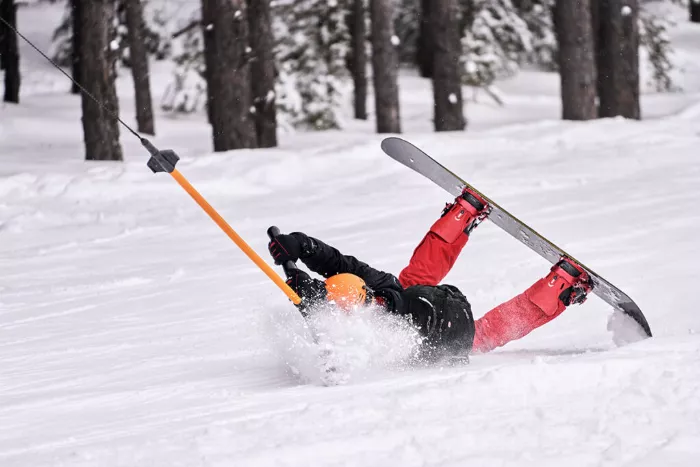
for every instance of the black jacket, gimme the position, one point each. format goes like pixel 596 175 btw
pixel 327 261
pixel 441 313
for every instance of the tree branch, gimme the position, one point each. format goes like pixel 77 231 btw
pixel 193 24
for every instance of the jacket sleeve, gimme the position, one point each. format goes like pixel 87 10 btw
pixel 327 261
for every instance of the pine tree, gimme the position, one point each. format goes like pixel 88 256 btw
pixel 138 60
pixel 100 128
pixel 495 43
pixel 407 20
pixel 538 16
pixel 653 32
pixel 576 59
pixel 447 86
pixel 187 91
pixel 385 67
pixel 313 45
pixel 617 57
pixel 229 89
pixel 9 52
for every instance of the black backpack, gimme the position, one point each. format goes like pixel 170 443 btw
pixel 443 315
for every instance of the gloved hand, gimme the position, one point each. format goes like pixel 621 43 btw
pixel 291 247
pixel 285 248
pixel 311 291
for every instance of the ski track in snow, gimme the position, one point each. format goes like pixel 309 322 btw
pixel 133 333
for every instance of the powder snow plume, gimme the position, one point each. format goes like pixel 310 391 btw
pixel 333 347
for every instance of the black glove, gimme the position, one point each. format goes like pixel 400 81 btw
pixel 290 247
pixel 311 291
pixel 284 248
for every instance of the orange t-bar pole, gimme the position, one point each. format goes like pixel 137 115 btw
pixel 164 161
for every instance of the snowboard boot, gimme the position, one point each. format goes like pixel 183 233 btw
pixel 567 283
pixel 468 210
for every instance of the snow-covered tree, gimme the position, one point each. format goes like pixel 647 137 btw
pixel 653 32
pixel 406 28
pixel 313 44
pixel 653 27
pixel 495 42
pixel 61 46
pixel 186 93
pixel 539 20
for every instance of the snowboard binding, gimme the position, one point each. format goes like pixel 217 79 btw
pixel 581 283
pixel 482 207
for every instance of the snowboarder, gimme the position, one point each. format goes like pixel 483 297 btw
pixel 441 312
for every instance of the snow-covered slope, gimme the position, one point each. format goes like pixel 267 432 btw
pixel 134 333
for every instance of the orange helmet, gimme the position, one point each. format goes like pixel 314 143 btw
pixel 346 290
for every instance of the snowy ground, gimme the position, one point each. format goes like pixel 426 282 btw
pixel 134 333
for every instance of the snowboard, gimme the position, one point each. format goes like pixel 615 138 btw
pixel 409 155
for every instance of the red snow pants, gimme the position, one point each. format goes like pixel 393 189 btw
pixel 435 256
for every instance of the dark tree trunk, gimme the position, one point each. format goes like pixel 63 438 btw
pixel 9 52
pixel 225 29
pixel 425 43
pixel 694 6
pixel 576 59
pixel 138 59
pixel 358 57
pixel 617 58
pixel 447 84
pixel 76 42
pixel 209 75
pixel 100 127
pixel 385 67
pixel 263 72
